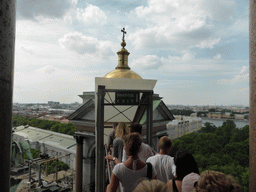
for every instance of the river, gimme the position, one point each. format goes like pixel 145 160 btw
pixel 219 122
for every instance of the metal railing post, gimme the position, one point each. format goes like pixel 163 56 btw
pixel 79 163
pixel 100 173
pixel 149 118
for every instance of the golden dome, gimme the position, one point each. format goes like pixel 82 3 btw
pixel 122 70
pixel 123 73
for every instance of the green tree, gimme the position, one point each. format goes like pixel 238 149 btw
pixel 202 114
pixel 35 153
pixel 224 149
pixel 208 128
pixel 182 112
pixel 245 179
pixel 45 124
pixel 212 110
pixel 55 128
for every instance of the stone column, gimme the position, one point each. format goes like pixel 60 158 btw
pixel 252 137
pixel 79 164
pixel 7 43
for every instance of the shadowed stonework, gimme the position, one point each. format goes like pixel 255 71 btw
pixel 7 38
pixel 252 183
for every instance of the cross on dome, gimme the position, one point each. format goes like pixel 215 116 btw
pixel 124 32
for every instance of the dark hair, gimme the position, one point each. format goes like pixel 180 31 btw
pixel 136 127
pixel 132 143
pixel 185 164
pixel 115 124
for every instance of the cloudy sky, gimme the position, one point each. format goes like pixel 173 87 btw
pixel 198 50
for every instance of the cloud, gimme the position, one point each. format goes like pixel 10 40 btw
pixel 182 25
pixel 27 50
pixel 219 10
pixel 218 56
pixel 147 62
pixel 241 77
pixel 82 44
pixel 91 14
pixel 209 43
pixel 36 9
pixel 47 69
pixel 188 65
pixel 185 65
pixel 51 83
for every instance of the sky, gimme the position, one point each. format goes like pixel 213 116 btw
pixel 197 50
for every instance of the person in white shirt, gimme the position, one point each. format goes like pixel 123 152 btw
pixel 162 162
pixel 145 150
pixel 129 172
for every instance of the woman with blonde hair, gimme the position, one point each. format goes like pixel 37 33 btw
pixel 151 186
pixel 121 131
pixel 212 181
pixel 133 169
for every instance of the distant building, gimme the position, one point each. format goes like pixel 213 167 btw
pixel 183 125
pixel 239 116
pixel 52 103
pixel 227 115
pixel 214 115
pixel 48 142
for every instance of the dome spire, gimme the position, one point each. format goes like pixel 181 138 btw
pixel 122 70
pixel 123 54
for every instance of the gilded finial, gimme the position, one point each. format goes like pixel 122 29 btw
pixel 122 70
pixel 123 44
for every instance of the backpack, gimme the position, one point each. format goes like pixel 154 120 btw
pixel 149 171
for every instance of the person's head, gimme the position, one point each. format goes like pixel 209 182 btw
pixel 136 127
pixel 185 164
pixel 189 182
pixel 115 125
pixel 122 130
pixel 151 186
pixel 165 144
pixel 212 181
pixel 132 143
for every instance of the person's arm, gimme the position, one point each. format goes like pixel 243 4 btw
pixel 169 185
pixel 115 149
pixel 110 140
pixel 108 147
pixel 111 157
pixel 112 187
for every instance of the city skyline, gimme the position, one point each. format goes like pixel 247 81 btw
pixel 196 49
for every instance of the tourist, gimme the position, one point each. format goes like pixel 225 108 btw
pixel 151 186
pixel 212 181
pixel 185 164
pixel 145 150
pixel 130 171
pixel 162 162
pixel 121 131
pixel 111 137
pixel 189 182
